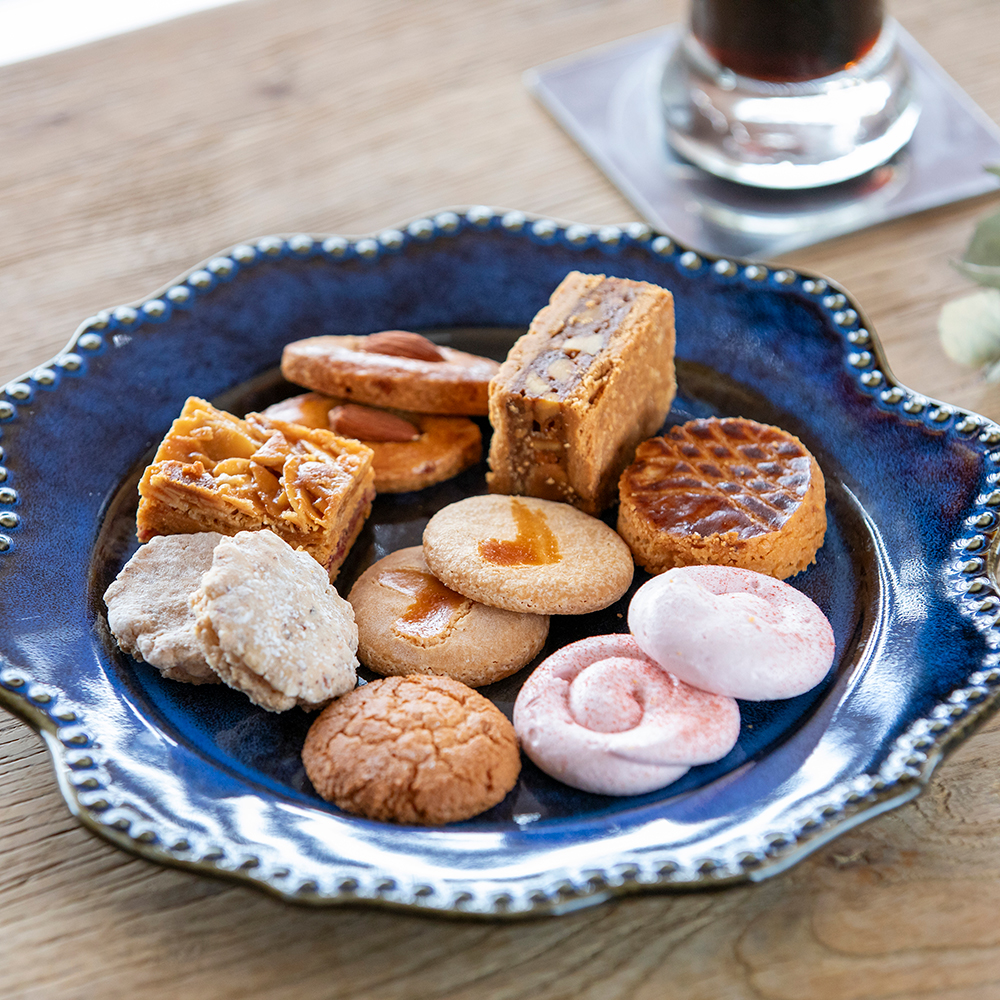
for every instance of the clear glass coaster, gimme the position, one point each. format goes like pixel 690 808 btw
pixel 609 99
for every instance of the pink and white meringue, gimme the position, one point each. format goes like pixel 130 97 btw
pixel 733 632
pixel 601 716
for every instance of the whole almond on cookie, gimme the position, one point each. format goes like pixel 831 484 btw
pixel 368 424
pixel 402 344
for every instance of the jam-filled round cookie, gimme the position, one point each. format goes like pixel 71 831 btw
pixel 411 450
pixel 729 492
pixel 411 623
pixel 418 749
pixel 395 369
pixel 525 554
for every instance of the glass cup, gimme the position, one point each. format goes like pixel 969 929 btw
pixel 788 93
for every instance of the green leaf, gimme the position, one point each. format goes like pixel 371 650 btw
pixel 969 328
pixel 994 170
pixel 981 260
pixel 982 275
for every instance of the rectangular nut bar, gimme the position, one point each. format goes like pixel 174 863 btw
pixel 216 472
pixel 592 377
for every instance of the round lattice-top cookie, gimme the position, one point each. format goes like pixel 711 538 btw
pixel 732 492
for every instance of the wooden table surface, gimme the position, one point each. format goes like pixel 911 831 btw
pixel 128 160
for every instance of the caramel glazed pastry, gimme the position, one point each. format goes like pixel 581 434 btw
pixel 411 450
pixel 411 623
pixel 730 492
pixel 394 369
pixel 215 472
pixel 592 377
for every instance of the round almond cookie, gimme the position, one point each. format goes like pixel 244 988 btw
pixel 525 554
pixel 411 623
pixel 419 749
pixel 725 492
pixel 394 369
pixel 273 626
pixel 733 632
pixel 149 611
pixel 411 450
pixel 601 716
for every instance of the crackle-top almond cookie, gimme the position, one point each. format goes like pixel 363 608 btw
pixel 411 623
pixel 529 555
pixel 273 626
pixel 419 749
pixel 149 611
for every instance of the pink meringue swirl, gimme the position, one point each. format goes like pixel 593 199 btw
pixel 733 632
pixel 601 716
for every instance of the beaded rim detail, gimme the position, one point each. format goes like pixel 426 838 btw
pixel 83 771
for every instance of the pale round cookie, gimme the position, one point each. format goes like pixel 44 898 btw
pixel 525 554
pixel 601 716
pixel 393 369
pixel 441 448
pixel 148 608
pixel 418 749
pixel 273 626
pixel 733 631
pixel 411 623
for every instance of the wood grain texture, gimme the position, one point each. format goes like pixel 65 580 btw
pixel 130 159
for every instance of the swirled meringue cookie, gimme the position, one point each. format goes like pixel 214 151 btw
pixel 733 632
pixel 599 715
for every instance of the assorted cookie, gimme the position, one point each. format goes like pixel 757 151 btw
pixel 247 521
pixel 394 369
pixel 411 623
pixel 529 555
pixel 591 378
pixel 418 749
pixel 729 492
pixel 410 451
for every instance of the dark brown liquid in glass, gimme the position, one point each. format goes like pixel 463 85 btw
pixel 786 40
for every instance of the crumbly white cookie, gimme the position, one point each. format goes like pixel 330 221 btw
pixel 272 625
pixel 149 611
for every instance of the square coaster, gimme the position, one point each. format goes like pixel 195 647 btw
pixel 608 100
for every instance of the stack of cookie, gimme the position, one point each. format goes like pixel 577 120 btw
pixel 397 392
pixel 246 522
pixel 247 610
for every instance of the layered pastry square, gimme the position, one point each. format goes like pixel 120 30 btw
pixel 216 472
pixel 592 377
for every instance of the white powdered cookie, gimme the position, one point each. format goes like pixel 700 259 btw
pixel 149 610
pixel 273 626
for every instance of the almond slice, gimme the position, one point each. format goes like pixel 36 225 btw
pixel 402 344
pixel 368 424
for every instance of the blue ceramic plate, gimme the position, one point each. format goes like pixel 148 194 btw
pixel 202 779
